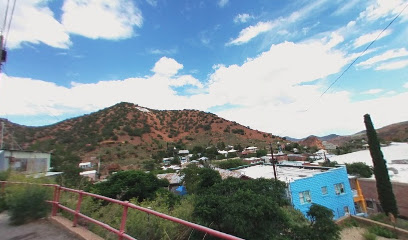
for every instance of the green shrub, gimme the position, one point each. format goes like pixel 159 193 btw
pixel 349 223
pixel 369 236
pixel 383 232
pixel 27 202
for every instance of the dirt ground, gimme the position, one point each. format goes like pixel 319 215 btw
pixel 39 230
pixel 356 233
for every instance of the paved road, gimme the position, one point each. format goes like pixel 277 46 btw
pixel 39 230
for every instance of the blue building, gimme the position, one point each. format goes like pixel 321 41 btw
pixel 328 187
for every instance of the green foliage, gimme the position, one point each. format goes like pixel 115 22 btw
pixel 329 164
pixel 350 222
pixel 26 202
pixel 383 232
pixel 130 184
pixel 360 169
pixel 261 152
pixel 322 225
pixel 384 187
pixel 230 163
pixel 369 236
pixel 197 180
pixel 249 209
pixel 238 131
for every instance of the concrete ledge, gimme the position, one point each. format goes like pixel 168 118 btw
pixel 78 231
pixel 402 233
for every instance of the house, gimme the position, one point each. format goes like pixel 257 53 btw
pixel 223 152
pixel 249 150
pixel 92 175
pixel 173 178
pixel 85 165
pixel 329 187
pixel 27 162
pixel 252 160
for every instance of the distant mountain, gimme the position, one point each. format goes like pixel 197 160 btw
pixel 312 141
pixel 324 138
pixel 128 134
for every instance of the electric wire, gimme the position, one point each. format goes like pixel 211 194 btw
pixel 352 63
pixel 9 24
pixel 5 16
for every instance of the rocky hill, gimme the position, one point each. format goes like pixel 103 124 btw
pixel 312 141
pixel 128 134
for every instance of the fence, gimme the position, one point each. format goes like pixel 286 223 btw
pixel 126 205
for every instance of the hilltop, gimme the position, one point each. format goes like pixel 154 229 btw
pixel 128 134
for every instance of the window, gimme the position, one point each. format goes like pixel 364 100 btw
pixel 346 211
pixel 324 190
pixel 339 188
pixel 305 197
pixel 370 204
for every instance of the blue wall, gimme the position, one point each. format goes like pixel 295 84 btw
pixel 314 184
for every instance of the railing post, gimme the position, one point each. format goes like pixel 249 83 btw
pixel 3 187
pixel 123 223
pixel 57 190
pixel 78 208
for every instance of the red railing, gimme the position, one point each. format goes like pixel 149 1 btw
pixel 126 205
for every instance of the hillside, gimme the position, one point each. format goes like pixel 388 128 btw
pixel 128 134
pixel 397 132
pixel 312 141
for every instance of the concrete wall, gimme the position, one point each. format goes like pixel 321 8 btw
pixel 332 201
pixel 27 162
pixel 369 189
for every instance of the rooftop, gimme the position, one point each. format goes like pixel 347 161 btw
pixel 284 173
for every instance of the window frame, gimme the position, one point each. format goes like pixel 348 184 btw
pixel 339 189
pixel 305 197
pixel 325 192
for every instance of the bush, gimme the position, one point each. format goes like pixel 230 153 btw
pixel 383 232
pixel 359 169
pixel 27 202
pixel 369 236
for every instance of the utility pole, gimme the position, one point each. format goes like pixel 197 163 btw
pixel 3 53
pixel 273 162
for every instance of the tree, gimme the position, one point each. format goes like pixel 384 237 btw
pixel 130 184
pixel 322 225
pixel 197 179
pixel 384 187
pixel 360 169
pixel 251 209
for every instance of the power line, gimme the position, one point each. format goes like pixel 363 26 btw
pixel 361 54
pixel 5 16
pixel 9 24
pixel 355 60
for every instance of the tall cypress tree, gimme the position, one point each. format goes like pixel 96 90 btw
pixel 384 187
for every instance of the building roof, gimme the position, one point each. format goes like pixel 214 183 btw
pixel 173 178
pixel 227 173
pixel 183 152
pixel 393 155
pixel 88 172
pixel 284 173
pixel 84 163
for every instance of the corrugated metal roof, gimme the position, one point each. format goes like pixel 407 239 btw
pixel 173 178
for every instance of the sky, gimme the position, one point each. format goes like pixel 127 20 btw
pixel 266 64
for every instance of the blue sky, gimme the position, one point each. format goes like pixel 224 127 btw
pixel 262 63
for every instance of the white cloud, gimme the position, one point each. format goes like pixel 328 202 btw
pixel 222 3
pixel 344 8
pixel 251 32
pixel 373 91
pixel 393 65
pixel 167 67
pixel 153 3
pixel 367 38
pixel 108 19
pixel 405 85
pixel 185 80
pixel 390 54
pixel 383 9
pixel 34 22
pixel 242 18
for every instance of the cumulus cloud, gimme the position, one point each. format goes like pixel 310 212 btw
pixel 222 3
pixel 393 65
pixel 101 18
pixel 242 18
pixel 367 38
pixel 251 32
pixel 167 67
pixel 383 9
pixel 390 54
pixel 152 3
pixel 373 91
pixel 34 22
